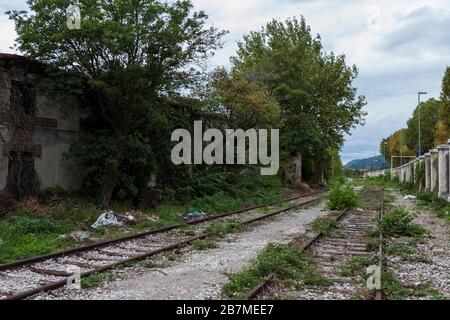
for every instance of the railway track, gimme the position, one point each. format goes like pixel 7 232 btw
pixel 332 253
pixel 25 278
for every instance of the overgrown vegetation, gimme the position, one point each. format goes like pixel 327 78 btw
pixel 96 279
pixel 396 290
pixel 26 235
pixel 73 213
pixel 355 266
pixel 325 226
pixel 222 228
pixel 342 197
pixel 437 205
pixel 204 244
pixel 286 262
pixel 406 252
pixel 398 222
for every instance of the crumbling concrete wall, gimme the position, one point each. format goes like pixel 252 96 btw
pixel 56 127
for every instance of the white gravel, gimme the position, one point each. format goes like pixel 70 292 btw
pixel 201 273
pixel 436 247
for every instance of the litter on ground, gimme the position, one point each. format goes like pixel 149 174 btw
pixel 108 218
pixel 194 214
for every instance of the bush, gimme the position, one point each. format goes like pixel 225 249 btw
pixel 399 222
pixel 325 226
pixel 338 181
pixel 341 198
pixel 426 196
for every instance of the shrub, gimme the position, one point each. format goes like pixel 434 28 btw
pixel 341 198
pixel 325 226
pixel 399 222
pixel 337 181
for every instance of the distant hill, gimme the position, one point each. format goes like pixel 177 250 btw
pixel 375 163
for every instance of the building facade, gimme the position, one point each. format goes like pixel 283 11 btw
pixel 35 126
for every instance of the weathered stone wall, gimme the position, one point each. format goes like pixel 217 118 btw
pixel 437 171
pixel 56 127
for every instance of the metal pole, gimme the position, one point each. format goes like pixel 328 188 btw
pixel 420 147
pixel 401 147
pixel 418 107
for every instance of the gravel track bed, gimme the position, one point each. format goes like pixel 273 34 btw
pixel 200 274
pixel 330 253
pixel 435 247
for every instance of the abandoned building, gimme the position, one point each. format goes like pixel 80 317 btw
pixel 34 127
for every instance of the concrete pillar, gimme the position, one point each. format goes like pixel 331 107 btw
pixel 448 170
pixel 409 172
pixel 443 170
pixel 434 169
pixel 427 171
pixel 421 180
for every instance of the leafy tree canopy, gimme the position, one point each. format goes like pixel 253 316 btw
pixel 429 117
pixel 127 59
pixel 313 88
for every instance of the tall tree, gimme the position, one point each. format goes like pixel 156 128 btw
pixel 243 104
pixel 128 58
pixel 429 117
pixel 445 98
pixel 396 146
pixel 314 89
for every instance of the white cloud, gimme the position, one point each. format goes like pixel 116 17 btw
pixel 399 51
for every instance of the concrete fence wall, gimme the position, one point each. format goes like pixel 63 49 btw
pixel 437 171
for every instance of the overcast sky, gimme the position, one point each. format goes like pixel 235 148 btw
pixel 399 47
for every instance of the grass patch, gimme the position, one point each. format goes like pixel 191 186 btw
pixel 204 244
pixel 325 226
pixel 26 235
pixel 438 206
pixel 222 228
pixel 395 290
pixel 356 266
pixel 96 279
pixel 407 253
pixel 286 262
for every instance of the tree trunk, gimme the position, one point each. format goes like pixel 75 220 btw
pixel 298 161
pixel 106 193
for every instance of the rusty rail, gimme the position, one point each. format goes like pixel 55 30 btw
pixel 258 289
pixel 379 292
pixel 63 282
pixel 100 244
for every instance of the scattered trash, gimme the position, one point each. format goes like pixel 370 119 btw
pixel 409 197
pixel 79 235
pixel 134 217
pixel 108 218
pixel 194 214
pixel 360 210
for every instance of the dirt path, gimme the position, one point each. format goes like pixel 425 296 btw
pixel 200 274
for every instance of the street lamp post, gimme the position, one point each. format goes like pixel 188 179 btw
pixel 401 148
pixel 420 138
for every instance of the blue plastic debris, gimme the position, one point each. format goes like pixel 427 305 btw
pixel 194 214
